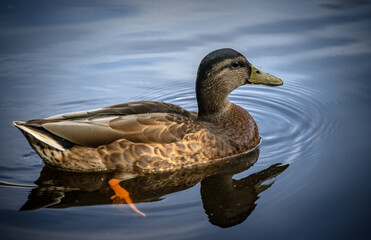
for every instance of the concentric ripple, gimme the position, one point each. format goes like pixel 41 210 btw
pixel 291 118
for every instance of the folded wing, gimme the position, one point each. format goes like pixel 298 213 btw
pixel 139 122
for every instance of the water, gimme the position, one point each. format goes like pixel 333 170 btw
pixel 310 178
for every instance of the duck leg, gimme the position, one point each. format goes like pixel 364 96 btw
pixel 122 195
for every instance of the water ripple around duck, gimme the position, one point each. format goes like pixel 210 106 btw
pixel 290 118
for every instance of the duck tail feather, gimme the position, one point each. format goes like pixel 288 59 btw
pixel 43 135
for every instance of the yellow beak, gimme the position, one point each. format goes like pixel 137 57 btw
pixel 260 77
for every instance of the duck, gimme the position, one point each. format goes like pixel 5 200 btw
pixel 152 136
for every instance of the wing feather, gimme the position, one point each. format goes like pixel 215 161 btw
pixel 83 133
pixel 98 131
pixel 139 122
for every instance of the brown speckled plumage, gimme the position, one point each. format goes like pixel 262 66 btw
pixel 153 136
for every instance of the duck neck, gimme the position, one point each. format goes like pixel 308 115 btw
pixel 211 105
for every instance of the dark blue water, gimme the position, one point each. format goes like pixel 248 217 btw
pixel 310 178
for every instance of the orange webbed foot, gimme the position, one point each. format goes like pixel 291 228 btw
pixel 121 195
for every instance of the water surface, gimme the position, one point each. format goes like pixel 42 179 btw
pixel 309 179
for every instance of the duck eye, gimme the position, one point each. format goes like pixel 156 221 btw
pixel 236 64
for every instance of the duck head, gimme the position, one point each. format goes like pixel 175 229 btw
pixel 219 73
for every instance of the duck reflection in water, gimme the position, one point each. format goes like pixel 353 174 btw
pixel 226 201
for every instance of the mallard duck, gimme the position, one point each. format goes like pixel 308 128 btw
pixel 147 136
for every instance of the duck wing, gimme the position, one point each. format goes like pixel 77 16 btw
pixel 138 122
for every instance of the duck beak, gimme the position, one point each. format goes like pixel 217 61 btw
pixel 260 77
